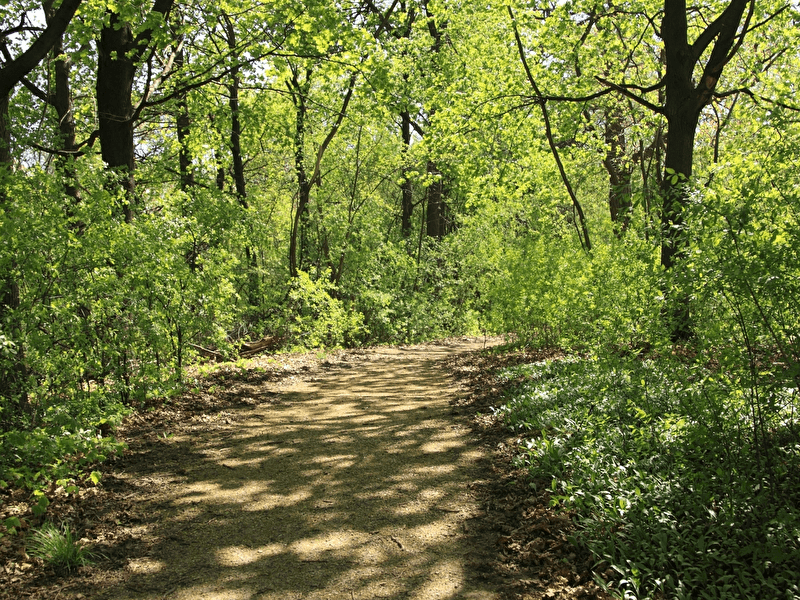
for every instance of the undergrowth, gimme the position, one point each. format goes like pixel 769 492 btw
pixel 662 461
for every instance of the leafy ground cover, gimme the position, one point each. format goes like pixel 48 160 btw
pixel 661 467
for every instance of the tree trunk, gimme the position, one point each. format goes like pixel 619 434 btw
pixel 298 241
pixel 61 100
pixel 119 53
pixel 5 138
pixel 239 181
pixel 684 103
pixel 116 70
pixel 620 172
pixel 406 188
pixel 183 125
pixel 435 204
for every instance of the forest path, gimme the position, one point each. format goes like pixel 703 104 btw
pixel 352 484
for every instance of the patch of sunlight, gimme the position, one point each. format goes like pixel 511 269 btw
pixel 286 450
pixel 310 548
pixel 265 501
pixel 365 418
pixel 415 472
pixel 237 556
pixel 400 407
pixel 145 565
pixel 380 494
pixel 337 461
pixel 427 533
pixel 469 456
pixel 233 463
pixel 253 494
pixel 436 447
pixel 218 591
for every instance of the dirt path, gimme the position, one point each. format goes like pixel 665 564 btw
pixel 353 484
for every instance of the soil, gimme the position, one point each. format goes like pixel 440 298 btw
pixel 354 475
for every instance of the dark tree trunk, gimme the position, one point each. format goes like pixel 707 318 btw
pixel 183 125
pixel 239 180
pixel 406 188
pixel 684 103
pixel 435 222
pixel 298 241
pixel 119 54
pixel 116 70
pixel 61 100
pixel 5 137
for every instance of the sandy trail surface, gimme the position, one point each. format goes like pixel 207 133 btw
pixel 353 482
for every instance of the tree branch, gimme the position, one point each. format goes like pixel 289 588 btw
pixel 623 89
pixel 12 73
pixel 583 232
pixel 315 177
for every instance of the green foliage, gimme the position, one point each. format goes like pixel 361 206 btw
pixel 551 293
pixel 58 548
pixel 32 458
pixel 314 318
pixel 658 459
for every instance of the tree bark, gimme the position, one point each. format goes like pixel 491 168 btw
pixel 116 70
pixel 435 222
pixel 183 125
pixel 240 183
pixel 119 53
pixel 61 100
pixel 684 102
pixel 620 172
pixel 406 188
pixel 297 242
pixel 13 72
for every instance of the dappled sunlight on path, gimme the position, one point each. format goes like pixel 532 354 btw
pixel 353 485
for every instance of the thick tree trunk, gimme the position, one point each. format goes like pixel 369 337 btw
pixel 119 53
pixel 685 101
pixel 116 70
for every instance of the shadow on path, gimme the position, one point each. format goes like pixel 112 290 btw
pixel 354 485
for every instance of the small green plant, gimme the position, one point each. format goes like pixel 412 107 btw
pixel 57 547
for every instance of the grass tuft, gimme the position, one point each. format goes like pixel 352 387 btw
pixel 57 547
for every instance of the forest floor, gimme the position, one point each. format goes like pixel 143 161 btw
pixel 353 475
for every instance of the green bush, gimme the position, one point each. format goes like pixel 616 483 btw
pixel 314 318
